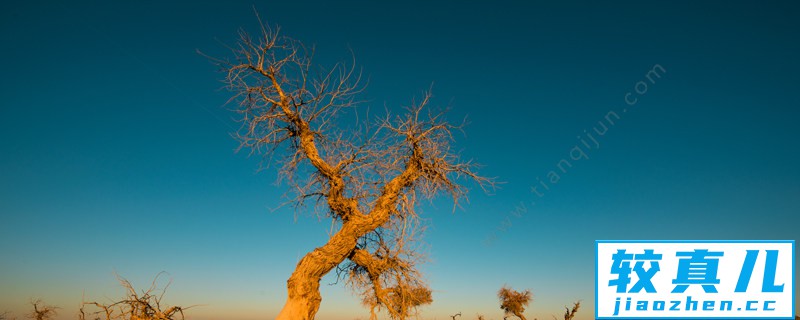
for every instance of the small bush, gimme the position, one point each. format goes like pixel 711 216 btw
pixel 146 305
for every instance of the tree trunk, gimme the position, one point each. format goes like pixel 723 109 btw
pixel 304 298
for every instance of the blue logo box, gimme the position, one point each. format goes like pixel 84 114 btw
pixel 694 279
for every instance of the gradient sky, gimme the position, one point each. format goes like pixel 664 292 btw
pixel 116 157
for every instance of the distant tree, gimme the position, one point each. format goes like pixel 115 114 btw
pixel 368 177
pixel 147 305
pixel 455 316
pixel 41 311
pixel 569 314
pixel 514 302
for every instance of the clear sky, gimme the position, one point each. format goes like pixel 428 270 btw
pixel 115 154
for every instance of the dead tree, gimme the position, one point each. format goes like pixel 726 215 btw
pixel 367 176
pixel 147 305
pixel 455 316
pixel 514 302
pixel 41 311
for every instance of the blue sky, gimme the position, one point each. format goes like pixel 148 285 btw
pixel 116 153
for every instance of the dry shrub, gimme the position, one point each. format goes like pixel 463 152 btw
pixel 145 305
pixel 569 314
pixel 514 302
pixel 42 311
pixel 7 316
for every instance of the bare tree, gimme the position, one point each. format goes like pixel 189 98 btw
pixel 514 302
pixel 146 305
pixel 41 311
pixel 368 176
